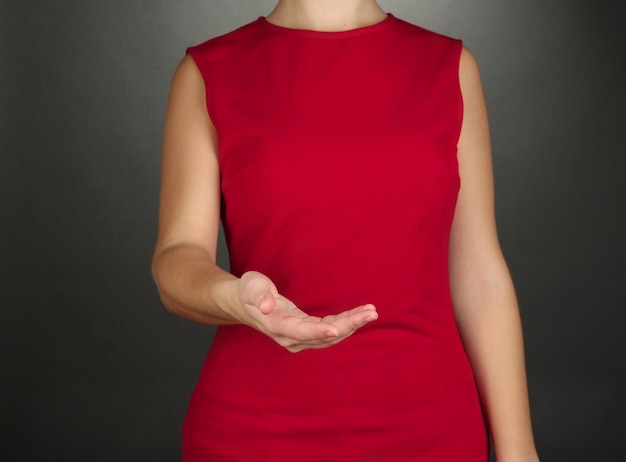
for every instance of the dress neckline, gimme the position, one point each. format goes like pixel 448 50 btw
pixel 390 19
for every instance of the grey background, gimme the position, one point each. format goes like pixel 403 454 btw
pixel 93 368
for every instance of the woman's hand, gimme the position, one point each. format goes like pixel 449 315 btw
pixel 267 311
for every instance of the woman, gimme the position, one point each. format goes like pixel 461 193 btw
pixel 347 153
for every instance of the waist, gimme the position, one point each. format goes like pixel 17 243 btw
pixel 383 366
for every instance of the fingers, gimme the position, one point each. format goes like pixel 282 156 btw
pixel 337 327
pixel 315 333
pixel 308 334
pixel 351 320
pixel 292 323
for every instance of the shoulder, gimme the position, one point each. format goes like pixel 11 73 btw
pixel 427 37
pixel 224 45
pixel 469 73
pixel 468 61
pixel 187 74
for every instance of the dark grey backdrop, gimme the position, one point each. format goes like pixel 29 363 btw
pixel 93 368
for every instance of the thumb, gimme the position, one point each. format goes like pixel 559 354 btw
pixel 266 303
pixel 259 291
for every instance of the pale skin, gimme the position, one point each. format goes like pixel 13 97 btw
pixel 194 287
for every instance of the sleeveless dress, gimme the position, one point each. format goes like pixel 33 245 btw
pixel 339 180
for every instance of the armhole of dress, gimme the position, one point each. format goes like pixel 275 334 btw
pixel 458 52
pixel 193 52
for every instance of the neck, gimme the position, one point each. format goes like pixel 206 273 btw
pixel 326 15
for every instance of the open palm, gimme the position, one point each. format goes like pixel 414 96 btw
pixel 280 319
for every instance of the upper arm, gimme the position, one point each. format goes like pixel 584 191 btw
pixel 190 192
pixel 476 260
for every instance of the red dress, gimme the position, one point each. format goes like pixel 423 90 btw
pixel 339 180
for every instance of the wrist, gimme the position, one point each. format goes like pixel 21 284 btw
pixel 534 458
pixel 529 456
pixel 226 296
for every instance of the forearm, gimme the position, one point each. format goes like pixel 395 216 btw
pixel 192 286
pixel 491 330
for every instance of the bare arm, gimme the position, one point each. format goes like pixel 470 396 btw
pixel 189 282
pixel 482 291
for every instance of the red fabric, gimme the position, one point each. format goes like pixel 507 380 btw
pixel 339 181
